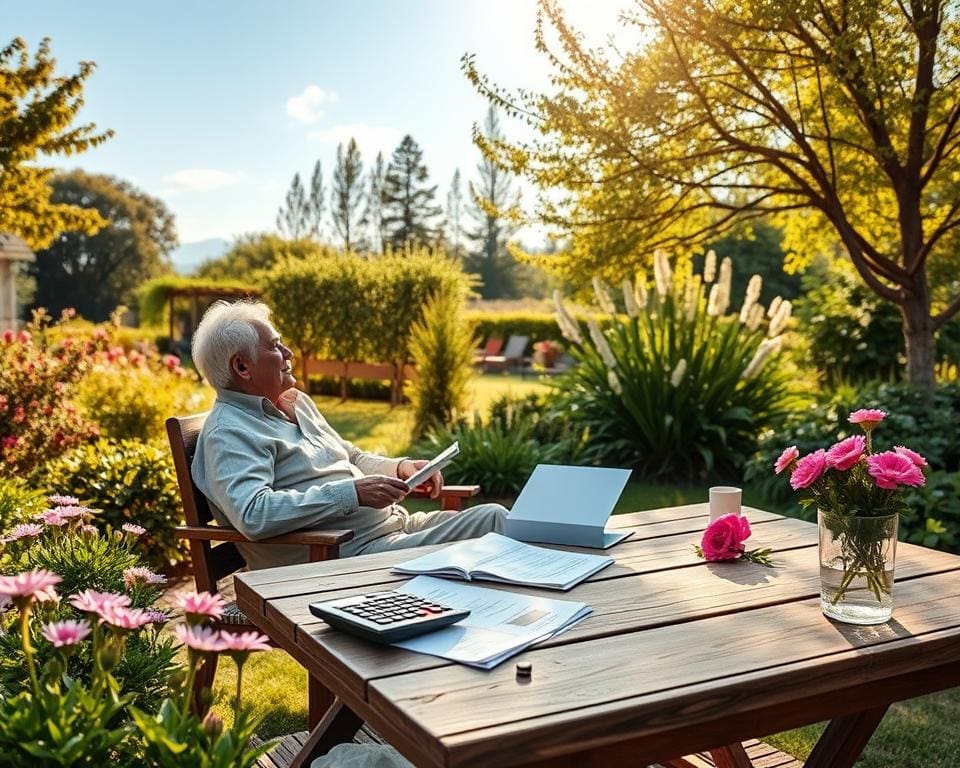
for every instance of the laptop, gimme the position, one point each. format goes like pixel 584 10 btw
pixel 568 505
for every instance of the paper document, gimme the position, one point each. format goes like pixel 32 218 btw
pixel 498 558
pixel 437 464
pixel 500 624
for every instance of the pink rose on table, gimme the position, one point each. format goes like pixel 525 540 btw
pixel 891 469
pixel 723 539
pixel 808 469
pixel 786 459
pixel 846 453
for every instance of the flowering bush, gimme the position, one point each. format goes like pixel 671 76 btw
pixel 73 706
pixel 38 376
pixel 847 483
pixel 546 353
pixel 677 387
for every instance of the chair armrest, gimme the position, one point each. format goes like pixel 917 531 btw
pixel 452 491
pixel 298 538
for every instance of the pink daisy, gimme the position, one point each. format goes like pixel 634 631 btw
pixel 787 458
pixel 65 633
pixel 140 575
pixel 63 501
pixel 30 585
pixel 91 601
pixel 23 531
pixel 52 517
pixel 201 605
pixel 201 639
pixel 133 529
pixel 245 641
pixel 121 617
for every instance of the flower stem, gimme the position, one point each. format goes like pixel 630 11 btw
pixel 28 648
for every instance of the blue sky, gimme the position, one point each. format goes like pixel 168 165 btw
pixel 217 104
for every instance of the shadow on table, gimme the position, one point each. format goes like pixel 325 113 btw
pixel 735 573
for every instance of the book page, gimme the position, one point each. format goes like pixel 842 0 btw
pixel 437 464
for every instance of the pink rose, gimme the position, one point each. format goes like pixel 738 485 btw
pixel 723 539
pixel 891 469
pixel 846 453
pixel 787 458
pixel 915 457
pixel 867 418
pixel 808 469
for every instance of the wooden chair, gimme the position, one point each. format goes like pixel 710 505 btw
pixel 215 556
pixel 492 347
pixel 512 356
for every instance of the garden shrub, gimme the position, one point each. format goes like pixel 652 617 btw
pixel 128 481
pixel 18 502
pixel 933 513
pixel 855 335
pixel 362 389
pixel 39 371
pixel 441 348
pixel 500 453
pixel 675 388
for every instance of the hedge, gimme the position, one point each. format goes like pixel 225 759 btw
pixel 536 326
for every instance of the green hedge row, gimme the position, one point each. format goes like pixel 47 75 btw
pixel 537 326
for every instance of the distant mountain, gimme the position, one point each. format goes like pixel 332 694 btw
pixel 188 256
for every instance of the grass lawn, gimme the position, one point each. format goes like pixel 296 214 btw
pixel 921 732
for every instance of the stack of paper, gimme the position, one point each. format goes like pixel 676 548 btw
pixel 498 558
pixel 500 624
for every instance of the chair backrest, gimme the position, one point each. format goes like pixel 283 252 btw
pixel 210 564
pixel 493 346
pixel 516 345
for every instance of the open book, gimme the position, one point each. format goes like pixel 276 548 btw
pixel 436 464
pixel 498 558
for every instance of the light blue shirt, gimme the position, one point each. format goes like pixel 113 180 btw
pixel 265 475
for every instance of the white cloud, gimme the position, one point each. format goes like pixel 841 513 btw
pixel 306 106
pixel 370 138
pixel 201 179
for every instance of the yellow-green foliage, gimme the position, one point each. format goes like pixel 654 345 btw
pixel 135 402
pixel 154 294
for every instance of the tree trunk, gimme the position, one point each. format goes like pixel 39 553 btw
pixel 918 339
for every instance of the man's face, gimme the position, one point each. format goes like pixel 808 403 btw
pixel 271 373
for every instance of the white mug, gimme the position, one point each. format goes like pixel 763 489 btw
pixel 724 500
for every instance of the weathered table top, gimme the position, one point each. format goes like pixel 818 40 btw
pixel 678 656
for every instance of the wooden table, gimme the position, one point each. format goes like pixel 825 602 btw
pixel 679 656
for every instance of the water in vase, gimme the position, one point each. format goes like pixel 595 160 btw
pixel 859 604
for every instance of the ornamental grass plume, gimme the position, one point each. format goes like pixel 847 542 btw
pixel 568 326
pixel 603 296
pixel 751 297
pixel 678 372
pixel 662 273
pixel 710 266
pixel 630 298
pixel 601 344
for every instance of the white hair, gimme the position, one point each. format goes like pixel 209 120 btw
pixel 227 329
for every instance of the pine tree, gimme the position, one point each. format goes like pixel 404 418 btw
pixel 373 213
pixel 293 219
pixel 316 204
pixel 37 108
pixel 489 201
pixel 455 215
pixel 409 210
pixel 347 195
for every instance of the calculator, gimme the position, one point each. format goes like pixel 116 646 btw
pixel 386 617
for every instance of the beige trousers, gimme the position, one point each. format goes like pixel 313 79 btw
pixel 440 527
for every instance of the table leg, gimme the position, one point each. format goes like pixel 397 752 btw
pixel 844 739
pixel 319 700
pixel 338 726
pixel 731 756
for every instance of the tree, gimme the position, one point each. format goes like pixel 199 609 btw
pixel 373 212
pixel 408 207
pixel 347 195
pixel 490 201
pixel 293 218
pixel 316 204
pixel 37 109
pixel 837 118
pixel 251 255
pixel 95 273
pixel 455 215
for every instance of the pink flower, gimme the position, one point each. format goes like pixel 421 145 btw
pixel 201 605
pixel 915 457
pixel 891 469
pixel 8 337
pixel 70 512
pixel 808 469
pixel 867 418
pixel 171 361
pixel 157 617
pixel 723 539
pixel 30 585
pixel 245 641
pixel 139 575
pixel 846 453
pixel 133 529
pixel 787 458
pixel 63 501
pixel 91 601
pixel 121 617
pixel 201 639
pixel 65 633
pixel 52 517
pixel 23 531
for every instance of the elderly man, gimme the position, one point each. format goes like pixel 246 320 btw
pixel 269 463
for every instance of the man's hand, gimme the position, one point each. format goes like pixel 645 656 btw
pixel 410 467
pixel 379 491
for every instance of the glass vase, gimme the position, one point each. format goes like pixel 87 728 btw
pixel 857 557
